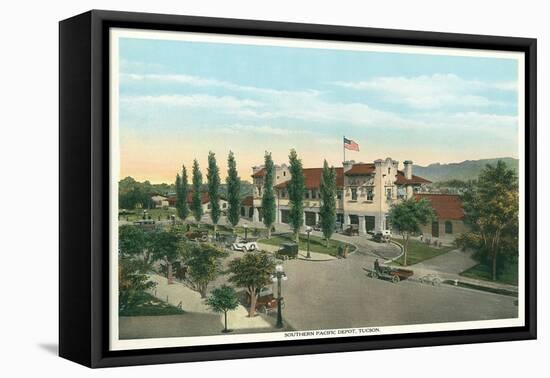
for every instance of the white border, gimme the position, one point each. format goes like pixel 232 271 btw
pixel 116 33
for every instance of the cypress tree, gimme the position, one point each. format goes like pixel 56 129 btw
pixel 196 205
pixel 181 194
pixel 268 197
pixel 328 201
pixel 184 192
pixel 296 190
pixel 213 178
pixel 233 191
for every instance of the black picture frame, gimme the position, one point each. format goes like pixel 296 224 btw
pixel 84 187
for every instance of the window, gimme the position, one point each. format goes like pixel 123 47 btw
pixel 389 171
pixel 354 194
pixel 284 173
pixel 224 205
pixel 370 194
pixel 339 194
pixel 209 206
pixel 306 194
pixel 448 227
pixel 388 193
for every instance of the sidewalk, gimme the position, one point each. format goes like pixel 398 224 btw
pixel 179 295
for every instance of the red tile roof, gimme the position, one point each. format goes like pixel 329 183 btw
pixel 401 180
pixel 260 173
pixel 204 197
pixel 360 169
pixel 312 178
pixel 446 206
pixel 247 201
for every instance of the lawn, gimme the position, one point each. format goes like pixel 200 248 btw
pixel 483 271
pixel 419 251
pixel 148 305
pixel 316 244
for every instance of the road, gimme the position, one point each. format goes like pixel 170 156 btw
pixel 338 294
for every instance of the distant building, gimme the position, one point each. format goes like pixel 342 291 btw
pixel 247 207
pixel 450 216
pixel 205 202
pixel 365 192
pixel 160 201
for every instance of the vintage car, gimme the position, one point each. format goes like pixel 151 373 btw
pixel 267 302
pixel 244 245
pixel 287 251
pixel 197 235
pixel 382 236
pixel 351 230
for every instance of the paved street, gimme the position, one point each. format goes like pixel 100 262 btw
pixel 338 294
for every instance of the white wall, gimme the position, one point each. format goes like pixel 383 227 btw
pixel 28 151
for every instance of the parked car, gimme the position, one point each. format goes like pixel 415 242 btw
pixel 244 245
pixel 382 236
pixel 266 301
pixel 351 230
pixel 287 251
pixel 197 235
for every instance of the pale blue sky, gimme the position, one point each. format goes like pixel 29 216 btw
pixel 179 99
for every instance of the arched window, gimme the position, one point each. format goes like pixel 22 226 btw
pixel 448 227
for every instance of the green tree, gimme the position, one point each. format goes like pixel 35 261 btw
pixel 213 178
pixel 408 216
pixel 327 211
pixel 223 299
pixel 204 265
pixel 296 191
pixel 132 282
pixel 131 240
pixel 165 245
pixel 196 204
pixel 181 194
pixel 268 196
pixel 491 207
pixel 233 191
pixel 252 272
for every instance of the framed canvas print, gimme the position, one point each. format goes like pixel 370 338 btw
pixel 234 188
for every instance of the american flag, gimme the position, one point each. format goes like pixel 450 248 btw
pixel 350 145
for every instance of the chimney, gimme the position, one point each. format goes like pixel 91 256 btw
pixel 408 170
pixel 348 164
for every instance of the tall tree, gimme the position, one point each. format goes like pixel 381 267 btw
pixel 204 263
pixel 223 299
pixel 233 191
pixel 196 204
pixel 491 209
pixel 328 202
pixel 213 178
pixel 268 196
pixel 181 194
pixel 296 191
pixel 252 272
pixel 408 216
pixel 165 246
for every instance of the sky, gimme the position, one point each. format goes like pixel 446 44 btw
pixel 178 100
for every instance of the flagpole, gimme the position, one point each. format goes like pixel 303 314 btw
pixel 344 148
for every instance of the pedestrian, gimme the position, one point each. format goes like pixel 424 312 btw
pixel 376 266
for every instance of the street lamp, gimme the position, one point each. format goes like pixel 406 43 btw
pixel 277 277
pixel 245 231
pixel 308 231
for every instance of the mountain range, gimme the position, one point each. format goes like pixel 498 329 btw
pixel 466 170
